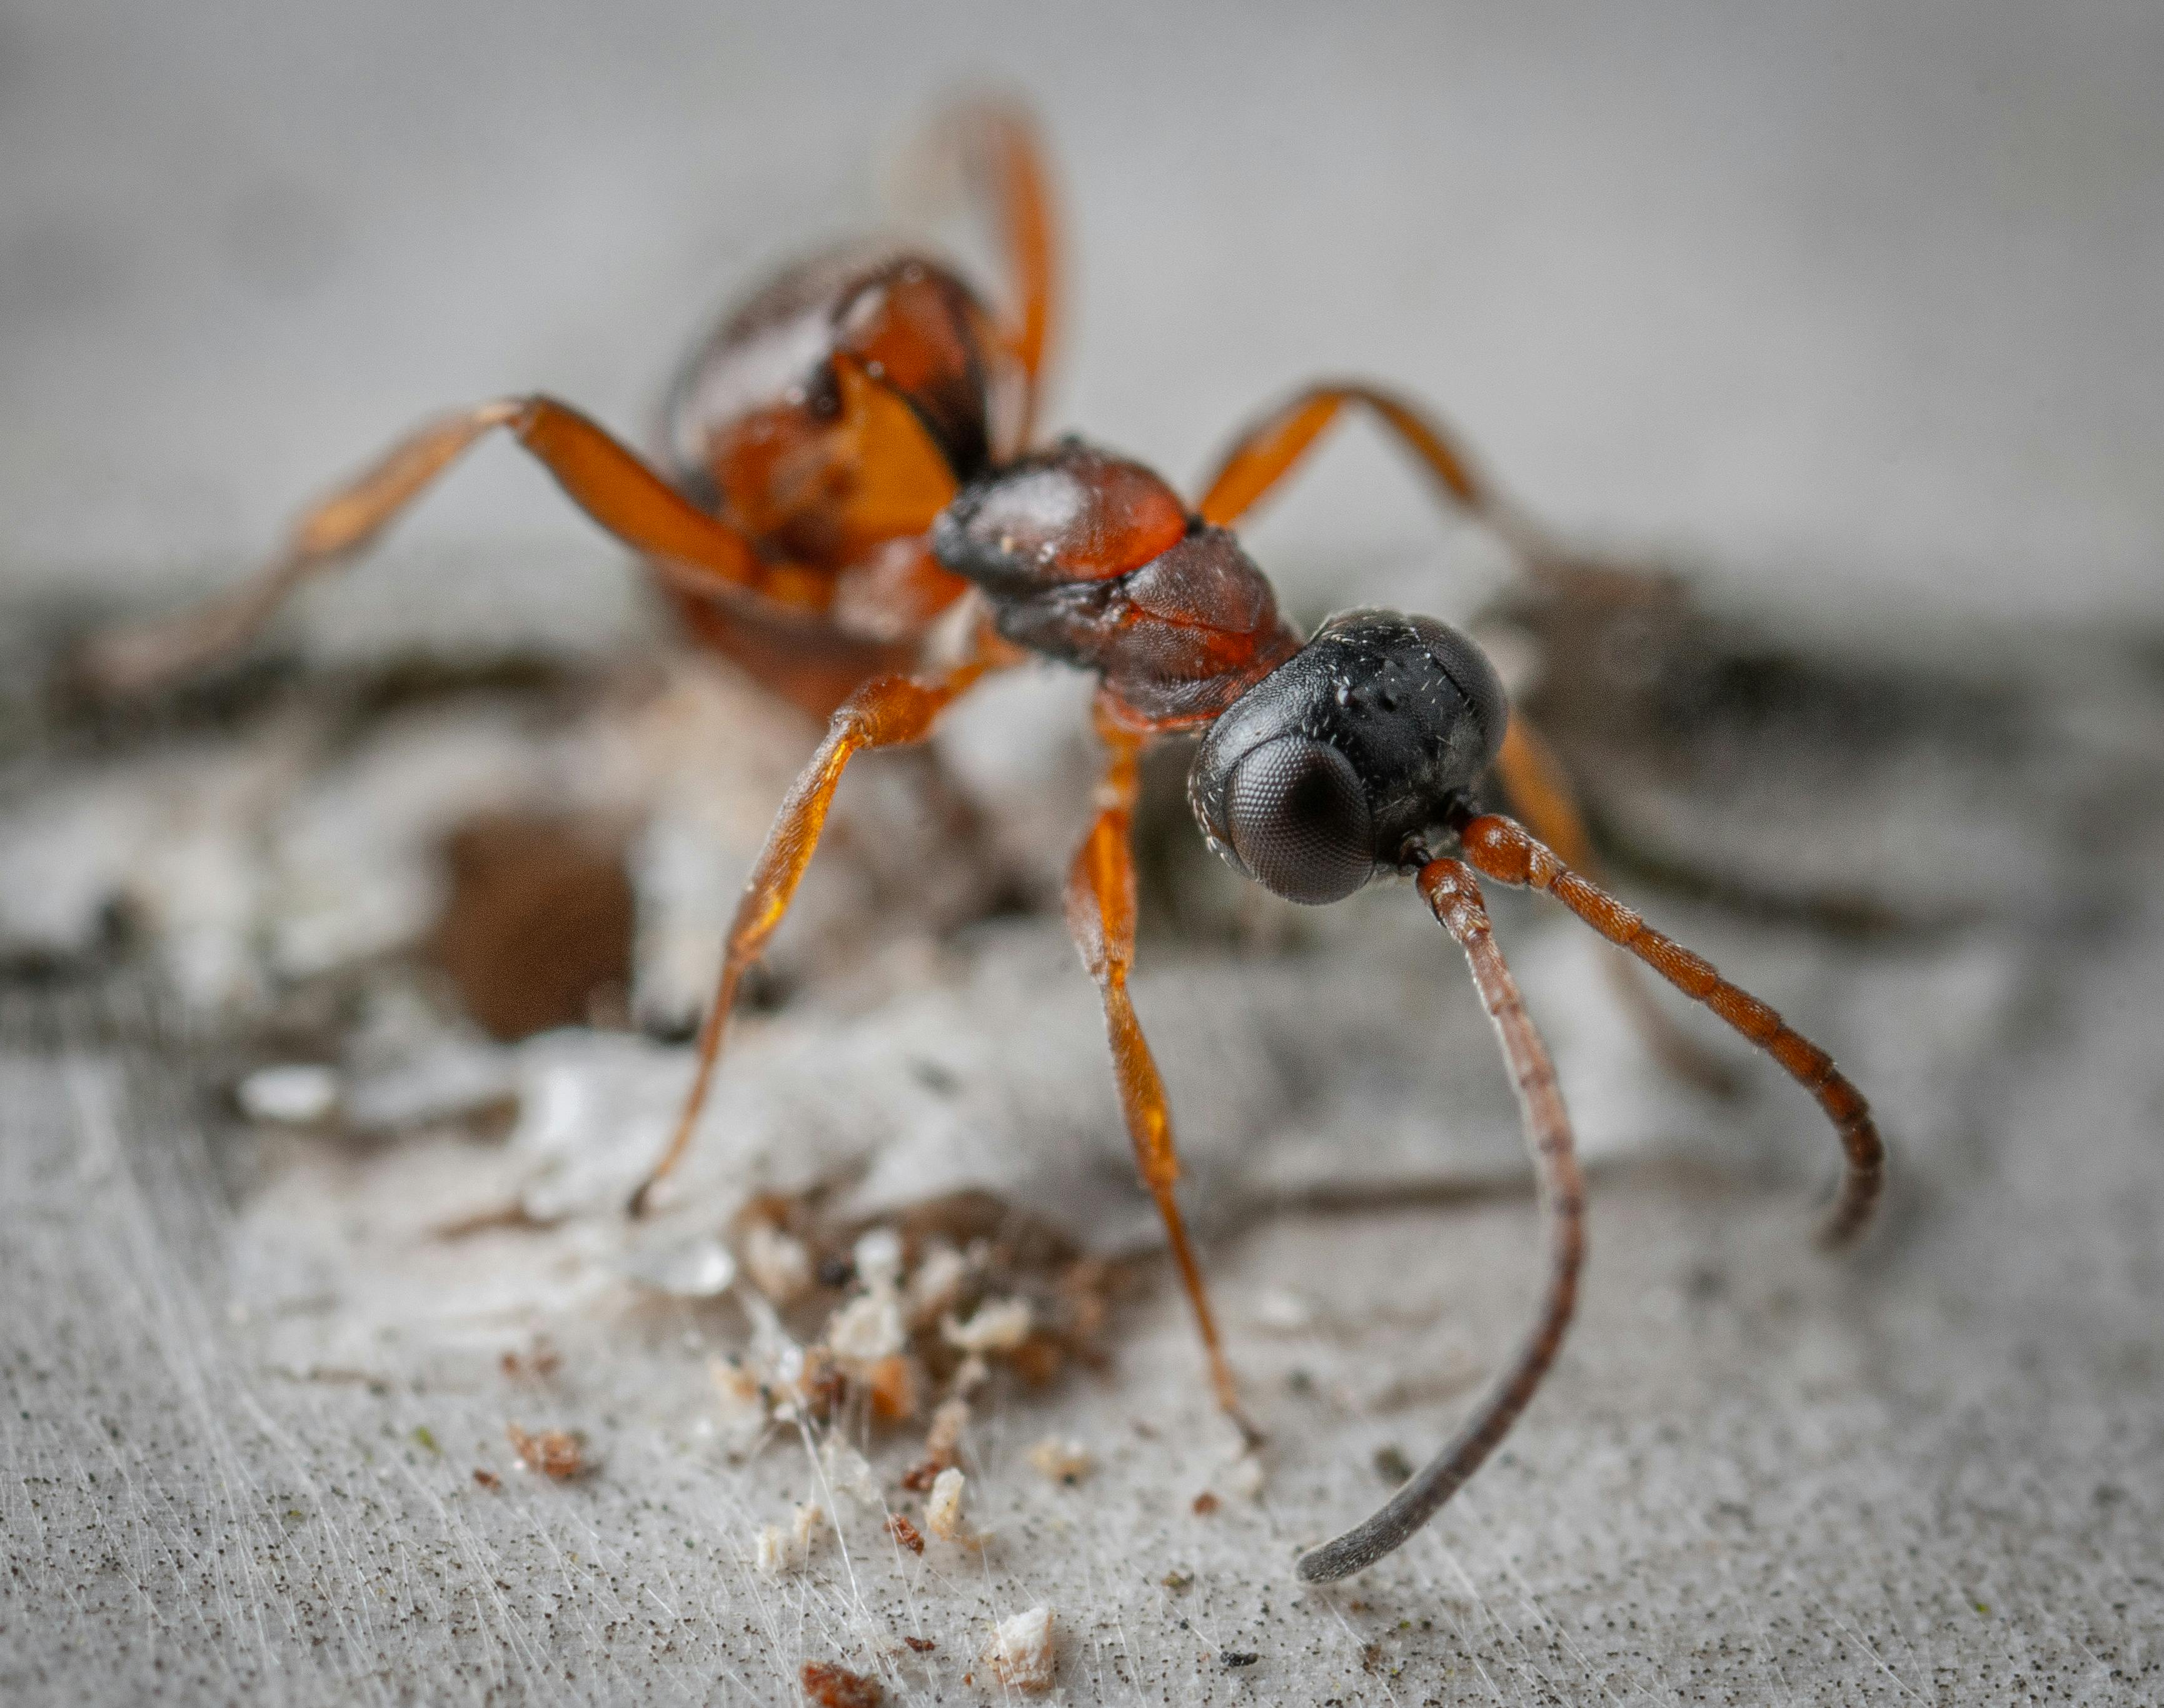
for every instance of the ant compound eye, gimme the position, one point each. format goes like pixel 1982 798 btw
pixel 1298 818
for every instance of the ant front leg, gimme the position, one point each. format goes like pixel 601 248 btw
pixel 888 712
pixel 694 551
pixel 1268 449
pixel 1101 913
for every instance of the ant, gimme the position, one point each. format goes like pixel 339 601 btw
pixel 853 481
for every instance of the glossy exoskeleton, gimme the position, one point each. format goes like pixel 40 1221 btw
pixel 852 455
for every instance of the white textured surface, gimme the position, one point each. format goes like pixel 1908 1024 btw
pixel 1854 308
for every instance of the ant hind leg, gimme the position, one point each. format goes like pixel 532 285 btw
pixel 695 552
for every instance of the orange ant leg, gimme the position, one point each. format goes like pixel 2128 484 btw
pixel 1450 888
pixel 887 712
pixel 693 550
pixel 1268 449
pixel 1101 913
pixel 1508 853
pixel 1541 789
pixel 1002 157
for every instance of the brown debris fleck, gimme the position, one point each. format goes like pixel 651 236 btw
pixel 922 1645
pixel 903 1532
pixel 1205 1503
pixel 487 1480
pixel 541 1364
pixel 896 1388
pixel 837 1687
pixel 537 929
pixel 554 1453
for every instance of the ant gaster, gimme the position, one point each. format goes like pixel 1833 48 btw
pixel 851 457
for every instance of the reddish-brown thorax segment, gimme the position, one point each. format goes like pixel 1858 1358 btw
pixel 1092 559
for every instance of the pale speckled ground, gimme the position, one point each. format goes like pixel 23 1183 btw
pixel 1833 305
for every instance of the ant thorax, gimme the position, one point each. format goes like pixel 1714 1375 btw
pixel 1094 560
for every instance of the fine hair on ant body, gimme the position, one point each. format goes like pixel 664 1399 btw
pixel 851 460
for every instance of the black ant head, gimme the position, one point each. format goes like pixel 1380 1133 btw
pixel 1327 769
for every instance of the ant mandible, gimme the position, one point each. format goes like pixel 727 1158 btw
pixel 851 457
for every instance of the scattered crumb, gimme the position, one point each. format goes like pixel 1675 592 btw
pixel 921 1475
pixel 896 1391
pixel 922 1645
pixel 542 1361
pixel 997 1324
pixel 1063 1461
pixel 1177 1580
pixel 877 1255
pixel 903 1532
pixel 295 1093
pixel 1237 1658
pixel 1283 1312
pixel 554 1453
pixel 1020 1651
pixel 837 1687
pixel 780 1552
pixel 849 1472
pixel 1205 1503
pixel 936 1286
pixel 742 1399
pixel 942 1511
pixel 867 1328
pixel 698 1268
pixel 777 1262
pixel 971 1375
pixel 488 1479
pixel 804 1529
pixel 943 1440
pixel 424 1436
pixel 1248 1475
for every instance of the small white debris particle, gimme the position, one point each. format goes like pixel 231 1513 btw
pixel 697 1267
pixel 943 1439
pixel 867 1328
pixel 848 1473
pixel 999 1325
pixel 1021 1651
pixel 877 1257
pixel 774 1552
pixel 937 1282
pixel 1063 1461
pixel 739 1388
pixel 298 1094
pixel 777 1262
pixel 1284 1311
pixel 942 1507
pixel 1247 1475
pixel 804 1528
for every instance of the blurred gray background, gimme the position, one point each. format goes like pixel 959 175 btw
pixel 1851 303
